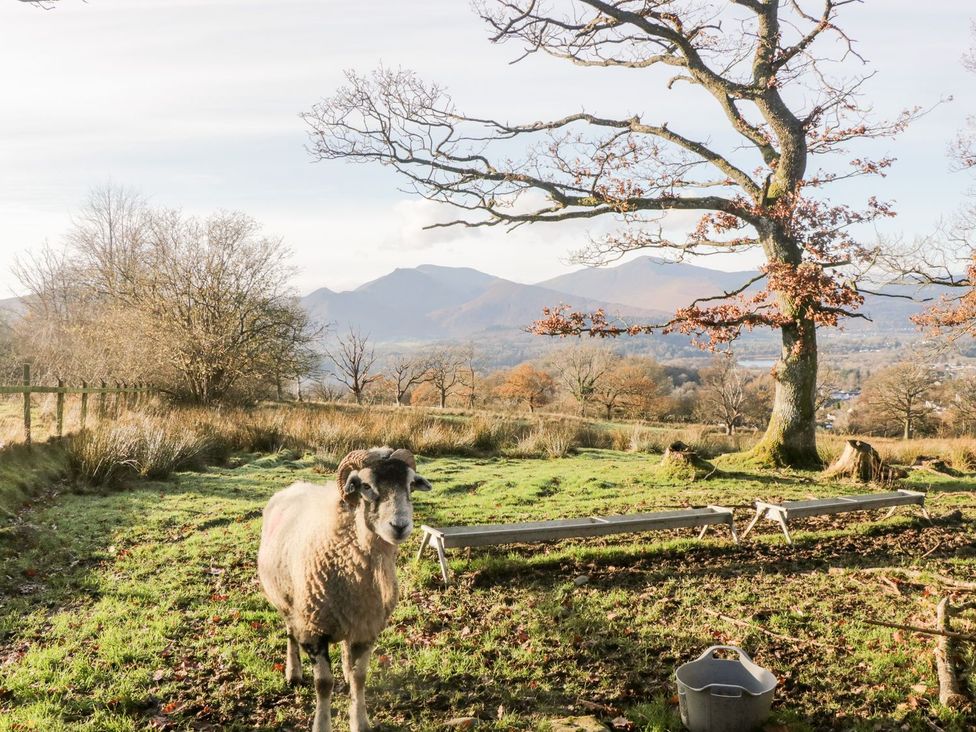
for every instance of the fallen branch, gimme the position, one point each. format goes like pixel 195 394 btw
pixel 950 693
pixel 949 582
pixel 919 629
pixel 773 634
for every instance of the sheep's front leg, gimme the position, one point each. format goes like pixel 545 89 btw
pixel 323 689
pixel 293 661
pixel 355 662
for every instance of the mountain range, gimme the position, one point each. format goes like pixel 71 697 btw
pixel 430 302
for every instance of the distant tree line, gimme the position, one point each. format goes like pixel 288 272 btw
pixel 583 379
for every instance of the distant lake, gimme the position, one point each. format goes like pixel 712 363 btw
pixel 757 363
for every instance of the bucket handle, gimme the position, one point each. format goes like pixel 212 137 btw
pixel 735 649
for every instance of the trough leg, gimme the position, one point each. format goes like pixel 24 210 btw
pixel 735 537
pixel 891 512
pixel 423 545
pixel 701 534
pixel 445 570
pixel 759 513
pixel 293 661
pixel 921 507
pixel 323 690
pixel 355 663
pixel 781 519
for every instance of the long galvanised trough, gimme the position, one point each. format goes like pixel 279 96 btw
pixel 781 513
pixel 447 537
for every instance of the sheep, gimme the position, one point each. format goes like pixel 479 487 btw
pixel 327 563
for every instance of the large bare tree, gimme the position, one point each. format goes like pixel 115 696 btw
pixel 770 68
pixel 201 307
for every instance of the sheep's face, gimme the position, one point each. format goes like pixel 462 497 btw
pixel 384 489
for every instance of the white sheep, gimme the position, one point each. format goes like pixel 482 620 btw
pixel 327 562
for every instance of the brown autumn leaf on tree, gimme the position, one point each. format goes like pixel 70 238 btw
pixel 527 385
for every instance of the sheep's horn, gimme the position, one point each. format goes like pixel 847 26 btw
pixel 353 461
pixel 404 455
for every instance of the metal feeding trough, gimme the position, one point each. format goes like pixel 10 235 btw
pixel 724 695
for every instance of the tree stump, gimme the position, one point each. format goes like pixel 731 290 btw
pixel 859 461
pixel 682 462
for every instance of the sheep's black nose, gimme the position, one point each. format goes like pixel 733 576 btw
pixel 400 529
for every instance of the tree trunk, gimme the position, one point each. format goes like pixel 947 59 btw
pixel 790 439
pixel 907 434
pixel 443 398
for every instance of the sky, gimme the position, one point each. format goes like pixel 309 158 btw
pixel 196 103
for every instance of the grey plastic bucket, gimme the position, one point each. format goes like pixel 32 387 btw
pixel 724 695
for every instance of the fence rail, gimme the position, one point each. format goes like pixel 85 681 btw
pixel 131 392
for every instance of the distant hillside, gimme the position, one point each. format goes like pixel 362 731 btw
pixel 649 283
pixel 433 303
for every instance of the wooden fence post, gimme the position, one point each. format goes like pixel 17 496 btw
pixel 59 409
pixel 84 405
pixel 101 401
pixel 27 406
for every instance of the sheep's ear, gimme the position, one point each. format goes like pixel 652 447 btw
pixel 420 483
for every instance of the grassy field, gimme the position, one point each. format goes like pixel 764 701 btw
pixel 140 609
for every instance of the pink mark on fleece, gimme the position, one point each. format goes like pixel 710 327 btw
pixel 273 522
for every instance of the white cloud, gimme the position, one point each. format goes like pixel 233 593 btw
pixel 196 103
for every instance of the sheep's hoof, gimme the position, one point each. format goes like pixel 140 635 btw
pixel 293 678
pixel 360 724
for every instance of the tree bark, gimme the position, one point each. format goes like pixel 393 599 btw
pixel 791 436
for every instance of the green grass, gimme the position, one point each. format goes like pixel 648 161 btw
pixel 140 609
pixel 26 472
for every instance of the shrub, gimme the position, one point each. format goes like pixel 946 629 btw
pixel 139 446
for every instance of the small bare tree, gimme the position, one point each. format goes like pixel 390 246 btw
pixel 901 393
pixel 353 358
pixel 722 395
pixel 444 371
pixel 468 375
pixel 580 369
pixel 405 372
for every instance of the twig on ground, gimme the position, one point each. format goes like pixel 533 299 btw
pixel 890 584
pixel 918 629
pixel 937 545
pixel 773 634
pixel 950 693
